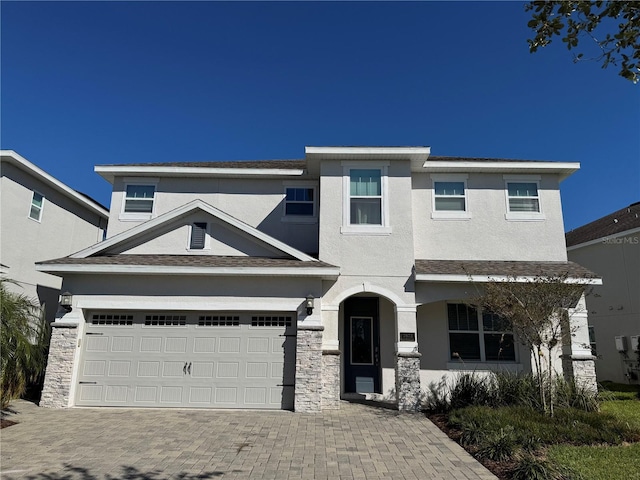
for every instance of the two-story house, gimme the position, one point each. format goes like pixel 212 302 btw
pixel 41 218
pixel 291 284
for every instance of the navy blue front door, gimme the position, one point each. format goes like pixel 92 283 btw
pixel 362 345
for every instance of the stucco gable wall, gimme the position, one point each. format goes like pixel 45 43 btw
pixel 488 235
pixel 257 202
pixel 173 239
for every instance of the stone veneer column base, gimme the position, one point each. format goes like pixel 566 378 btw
pixel 330 396
pixel 408 391
pixel 57 379
pixel 582 370
pixel 308 369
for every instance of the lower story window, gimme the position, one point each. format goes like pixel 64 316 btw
pixel 479 336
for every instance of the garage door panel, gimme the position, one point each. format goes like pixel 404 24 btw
pixel 224 361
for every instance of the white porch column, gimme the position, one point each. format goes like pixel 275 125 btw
pixel 578 363
pixel 407 359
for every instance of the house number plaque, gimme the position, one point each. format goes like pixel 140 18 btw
pixel 407 337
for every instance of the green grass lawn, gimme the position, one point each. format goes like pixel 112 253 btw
pixel 610 462
pixel 601 445
pixel 618 462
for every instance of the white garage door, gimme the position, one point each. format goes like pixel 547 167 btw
pixel 201 360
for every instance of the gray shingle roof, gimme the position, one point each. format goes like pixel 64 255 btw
pixel 186 261
pixel 624 219
pixel 495 267
pixel 275 164
pixel 294 164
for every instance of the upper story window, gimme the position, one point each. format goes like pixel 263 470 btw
pixel 37 202
pixel 479 336
pixel 366 207
pixel 198 238
pixel 365 197
pixel 139 199
pixel 523 197
pixel 450 197
pixel 300 202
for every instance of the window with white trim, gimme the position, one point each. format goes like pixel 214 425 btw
pixel 299 201
pixel 479 336
pixel 365 198
pixel 139 198
pixel 592 340
pixel 450 197
pixel 37 202
pixel 523 197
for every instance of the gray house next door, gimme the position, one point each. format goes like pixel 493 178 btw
pixel 194 360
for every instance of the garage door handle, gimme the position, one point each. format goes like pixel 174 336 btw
pixel 184 369
pixel 189 369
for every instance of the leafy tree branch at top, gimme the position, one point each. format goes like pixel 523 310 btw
pixel 612 26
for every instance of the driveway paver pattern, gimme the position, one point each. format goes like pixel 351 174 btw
pixel 355 442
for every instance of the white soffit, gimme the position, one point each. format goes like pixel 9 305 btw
pixel 109 172
pixel 415 154
pixel 564 169
pixel 19 161
pixel 329 273
pixel 186 210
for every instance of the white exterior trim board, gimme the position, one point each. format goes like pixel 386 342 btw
pixel 185 210
pixel 328 273
pixel 109 172
pixel 564 169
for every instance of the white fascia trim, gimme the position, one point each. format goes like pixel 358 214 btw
pixel 185 210
pixel 604 239
pixel 326 273
pixel 367 150
pixel 436 277
pixel 108 172
pixel 20 161
pixel 564 168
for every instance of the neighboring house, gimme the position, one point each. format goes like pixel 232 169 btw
pixel 292 284
pixel 610 246
pixel 41 218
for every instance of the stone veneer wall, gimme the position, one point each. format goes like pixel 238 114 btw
pixel 581 370
pixel 308 369
pixel 408 381
pixel 57 379
pixel 330 395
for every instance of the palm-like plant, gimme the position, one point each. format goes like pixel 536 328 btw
pixel 24 336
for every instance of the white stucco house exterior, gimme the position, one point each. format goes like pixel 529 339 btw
pixel 41 218
pixel 610 246
pixel 290 284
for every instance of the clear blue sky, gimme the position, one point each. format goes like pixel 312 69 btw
pixel 86 83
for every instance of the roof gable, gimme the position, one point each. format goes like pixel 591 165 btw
pixel 167 222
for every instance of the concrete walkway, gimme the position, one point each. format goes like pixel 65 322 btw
pixel 356 442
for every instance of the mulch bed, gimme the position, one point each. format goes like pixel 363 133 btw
pixel 502 470
pixel 4 423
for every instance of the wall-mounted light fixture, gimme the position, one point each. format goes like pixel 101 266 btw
pixel 65 301
pixel 309 304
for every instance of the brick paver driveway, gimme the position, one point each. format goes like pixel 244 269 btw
pixel 356 442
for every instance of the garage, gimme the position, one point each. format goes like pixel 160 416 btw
pixel 187 360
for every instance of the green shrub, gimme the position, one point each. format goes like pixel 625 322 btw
pixel 472 432
pixel 569 394
pixel 530 467
pixel 471 389
pixel 499 445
